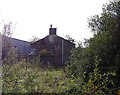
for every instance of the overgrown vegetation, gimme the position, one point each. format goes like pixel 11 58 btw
pixel 98 64
pixel 27 78
pixel 94 69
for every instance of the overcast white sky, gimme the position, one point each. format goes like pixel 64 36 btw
pixel 33 17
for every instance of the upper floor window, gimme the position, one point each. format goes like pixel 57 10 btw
pixel 53 47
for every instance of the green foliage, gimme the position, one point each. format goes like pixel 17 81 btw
pixel 11 56
pixel 70 39
pixel 101 83
pixel 18 79
pixel 105 42
pixel 73 66
pixel 33 59
pixel 98 63
pixel 94 69
pixel 43 52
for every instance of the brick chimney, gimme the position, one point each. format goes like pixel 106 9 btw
pixel 52 31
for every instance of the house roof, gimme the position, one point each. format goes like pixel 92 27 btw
pixel 16 39
pixel 20 40
pixel 53 36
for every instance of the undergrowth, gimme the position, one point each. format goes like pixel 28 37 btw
pixel 29 78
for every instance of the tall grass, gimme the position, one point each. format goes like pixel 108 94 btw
pixel 24 77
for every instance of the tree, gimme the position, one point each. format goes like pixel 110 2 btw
pixel 70 39
pixel 106 42
pixel 6 41
pixel 103 47
pixel 34 39
pixel 8 51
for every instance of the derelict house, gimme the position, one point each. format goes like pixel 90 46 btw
pixel 53 49
pixel 58 49
pixel 22 48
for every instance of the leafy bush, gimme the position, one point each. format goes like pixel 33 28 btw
pixel 19 79
pixel 98 62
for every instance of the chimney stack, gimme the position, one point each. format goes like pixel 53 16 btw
pixel 51 26
pixel 52 31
